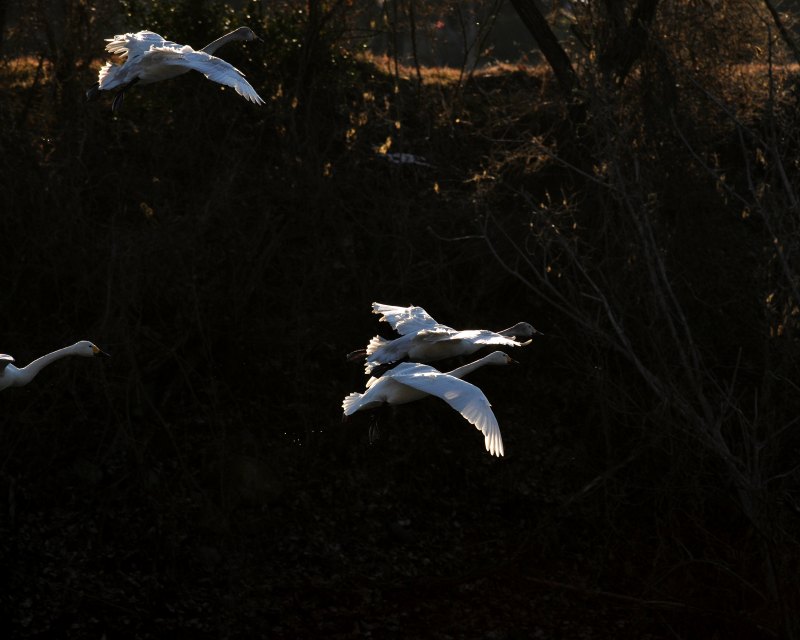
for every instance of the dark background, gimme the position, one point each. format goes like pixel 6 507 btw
pixel 201 483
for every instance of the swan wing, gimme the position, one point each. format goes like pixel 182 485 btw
pixel 438 333
pixel 7 375
pixel 461 395
pixel 404 320
pixel 135 44
pixel 429 344
pixel 5 360
pixel 416 345
pixel 484 337
pixel 213 68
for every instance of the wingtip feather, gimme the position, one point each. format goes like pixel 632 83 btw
pixel 351 402
pixel 375 343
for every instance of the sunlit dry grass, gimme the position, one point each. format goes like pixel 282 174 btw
pixel 448 75
pixel 21 72
pixel 749 86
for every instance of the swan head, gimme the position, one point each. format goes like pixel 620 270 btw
pixel 88 350
pixel 520 331
pixel 499 358
pixel 244 33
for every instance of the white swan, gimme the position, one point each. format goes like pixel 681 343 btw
pixel 11 376
pixel 423 339
pixel 412 381
pixel 151 58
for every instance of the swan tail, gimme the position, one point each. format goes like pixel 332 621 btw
pixel 377 307
pixel 375 344
pixel 384 355
pixel 352 403
pixel 105 70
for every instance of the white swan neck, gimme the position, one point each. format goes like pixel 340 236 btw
pixel 461 371
pixel 28 373
pixel 211 47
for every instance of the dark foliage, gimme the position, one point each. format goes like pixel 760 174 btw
pixel 202 484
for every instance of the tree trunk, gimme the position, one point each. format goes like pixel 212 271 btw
pixel 627 46
pixel 3 7
pixel 548 44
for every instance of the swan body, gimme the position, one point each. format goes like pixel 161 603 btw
pixel 11 376
pixel 150 58
pixel 425 340
pixel 412 381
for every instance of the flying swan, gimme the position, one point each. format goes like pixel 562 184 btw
pixel 412 381
pixel 423 339
pixel 11 376
pixel 151 58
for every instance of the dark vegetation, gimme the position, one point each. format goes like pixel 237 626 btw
pixel 639 206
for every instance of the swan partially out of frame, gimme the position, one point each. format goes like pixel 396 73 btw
pixel 11 376
pixel 150 58
pixel 410 381
pixel 423 339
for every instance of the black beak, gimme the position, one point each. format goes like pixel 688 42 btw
pixel 102 353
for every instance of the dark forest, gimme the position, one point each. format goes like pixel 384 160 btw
pixel 625 176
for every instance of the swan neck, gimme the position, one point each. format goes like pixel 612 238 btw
pixel 461 371
pixel 28 373
pixel 211 47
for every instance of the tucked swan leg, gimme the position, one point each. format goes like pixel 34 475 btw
pixel 93 93
pixel 121 95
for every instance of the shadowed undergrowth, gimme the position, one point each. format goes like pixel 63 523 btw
pixel 226 255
